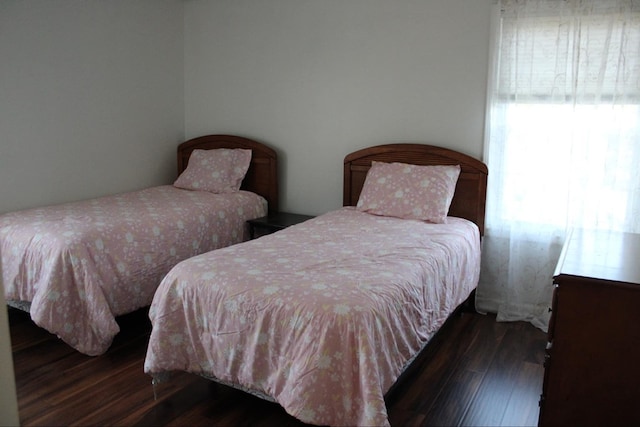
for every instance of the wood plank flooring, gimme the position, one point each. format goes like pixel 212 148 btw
pixel 475 372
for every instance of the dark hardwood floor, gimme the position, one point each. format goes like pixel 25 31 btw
pixel 476 372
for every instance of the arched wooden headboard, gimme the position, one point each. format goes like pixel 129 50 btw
pixel 471 190
pixel 262 176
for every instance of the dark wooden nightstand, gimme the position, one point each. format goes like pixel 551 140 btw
pixel 274 222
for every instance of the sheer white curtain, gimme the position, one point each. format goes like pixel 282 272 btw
pixel 562 144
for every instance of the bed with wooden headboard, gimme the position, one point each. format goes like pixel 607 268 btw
pixel 324 316
pixel 76 266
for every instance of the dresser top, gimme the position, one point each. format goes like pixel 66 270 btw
pixel 603 255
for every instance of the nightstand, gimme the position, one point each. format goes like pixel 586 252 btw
pixel 274 222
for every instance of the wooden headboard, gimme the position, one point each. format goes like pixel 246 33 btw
pixel 471 190
pixel 262 176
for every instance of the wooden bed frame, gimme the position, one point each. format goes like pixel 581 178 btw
pixel 262 176
pixel 468 203
pixel 471 190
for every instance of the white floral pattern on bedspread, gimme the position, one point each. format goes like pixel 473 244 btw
pixel 81 264
pixel 322 317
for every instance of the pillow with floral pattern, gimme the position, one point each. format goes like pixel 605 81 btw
pixel 219 170
pixel 409 191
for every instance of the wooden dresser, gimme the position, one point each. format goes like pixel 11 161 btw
pixel 592 367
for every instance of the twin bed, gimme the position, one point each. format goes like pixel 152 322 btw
pixel 324 316
pixel 76 266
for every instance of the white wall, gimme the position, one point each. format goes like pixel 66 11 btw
pixel 91 103
pixel 318 79
pixel 91 97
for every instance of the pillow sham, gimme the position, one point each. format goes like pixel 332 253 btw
pixel 218 171
pixel 409 191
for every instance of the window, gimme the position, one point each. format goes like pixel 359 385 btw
pixel 563 141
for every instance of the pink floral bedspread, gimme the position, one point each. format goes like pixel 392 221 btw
pixel 321 317
pixel 78 265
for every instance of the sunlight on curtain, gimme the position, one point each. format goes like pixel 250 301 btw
pixel 563 141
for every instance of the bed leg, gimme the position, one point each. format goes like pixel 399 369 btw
pixel 469 305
